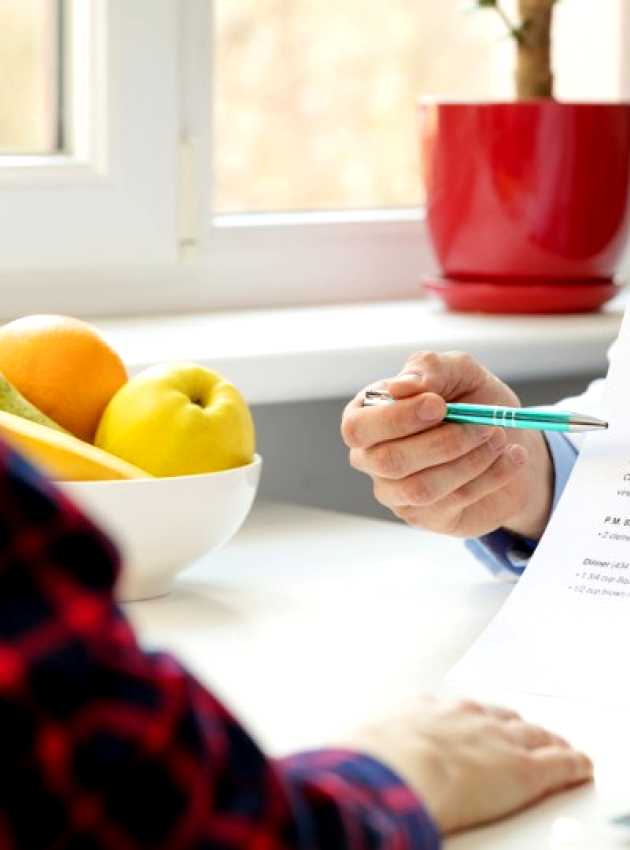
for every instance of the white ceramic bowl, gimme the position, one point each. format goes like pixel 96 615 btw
pixel 161 525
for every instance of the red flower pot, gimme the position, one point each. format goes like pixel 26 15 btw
pixel 527 202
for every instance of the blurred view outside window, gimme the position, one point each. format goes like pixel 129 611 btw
pixel 29 82
pixel 315 105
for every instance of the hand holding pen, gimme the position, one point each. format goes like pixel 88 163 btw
pixel 458 479
pixel 525 418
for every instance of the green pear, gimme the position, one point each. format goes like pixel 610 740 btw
pixel 12 401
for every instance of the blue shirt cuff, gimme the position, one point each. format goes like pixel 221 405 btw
pixel 506 554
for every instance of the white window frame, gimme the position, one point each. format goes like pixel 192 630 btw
pixel 127 225
pixel 111 198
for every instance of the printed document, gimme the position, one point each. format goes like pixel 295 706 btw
pixel 565 629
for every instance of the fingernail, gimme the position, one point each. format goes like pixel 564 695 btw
pixel 498 441
pixel 517 455
pixel 429 409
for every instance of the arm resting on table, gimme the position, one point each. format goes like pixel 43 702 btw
pixel 106 746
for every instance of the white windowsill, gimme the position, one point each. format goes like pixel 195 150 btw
pixel 306 353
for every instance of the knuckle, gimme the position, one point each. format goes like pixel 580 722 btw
pixel 529 735
pixel 462 357
pixel 476 462
pixel 489 458
pixel 402 512
pixel 430 359
pixel 423 362
pixel 356 459
pixel 418 490
pixel 469 706
pixel 452 526
pixel 500 472
pixel 412 517
pixel 457 501
pixel 538 736
pixel 451 441
pixel 388 460
pixel 453 518
pixel 423 357
pixel 350 432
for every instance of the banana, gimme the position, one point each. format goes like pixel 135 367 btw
pixel 62 456
pixel 12 401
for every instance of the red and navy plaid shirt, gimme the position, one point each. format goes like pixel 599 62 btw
pixel 106 747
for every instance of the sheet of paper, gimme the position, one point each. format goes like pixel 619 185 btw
pixel 565 629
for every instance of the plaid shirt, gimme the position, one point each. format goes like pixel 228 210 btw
pixel 106 747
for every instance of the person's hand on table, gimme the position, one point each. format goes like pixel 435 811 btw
pixel 462 480
pixel 470 763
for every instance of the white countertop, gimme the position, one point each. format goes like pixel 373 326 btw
pixel 304 353
pixel 310 622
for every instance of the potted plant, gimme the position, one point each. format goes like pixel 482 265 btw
pixel 527 201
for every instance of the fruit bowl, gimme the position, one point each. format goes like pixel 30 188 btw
pixel 161 525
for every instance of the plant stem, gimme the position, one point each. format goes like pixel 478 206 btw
pixel 534 77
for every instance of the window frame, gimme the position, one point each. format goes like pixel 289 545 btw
pixel 89 205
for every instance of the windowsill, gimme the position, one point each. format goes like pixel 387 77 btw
pixel 307 353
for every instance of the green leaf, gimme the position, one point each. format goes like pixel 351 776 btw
pixel 485 4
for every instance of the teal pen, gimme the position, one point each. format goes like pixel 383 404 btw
pixel 505 417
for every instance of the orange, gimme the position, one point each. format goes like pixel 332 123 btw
pixel 63 367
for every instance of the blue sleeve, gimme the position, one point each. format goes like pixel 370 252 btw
pixel 506 554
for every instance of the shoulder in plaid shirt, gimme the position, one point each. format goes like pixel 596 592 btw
pixel 107 747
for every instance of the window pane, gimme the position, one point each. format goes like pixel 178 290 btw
pixel 316 98
pixel 29 83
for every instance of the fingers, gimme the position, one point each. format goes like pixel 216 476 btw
pixel 555 767
pixel 436 483
pixel 438 377
pixel 478 505
pixel 499 712
pixel 531 737
pixel 363 427
pixel 398 459
pixel 450 375
pixel 495 712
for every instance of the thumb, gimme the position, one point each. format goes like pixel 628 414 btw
pixel 450 375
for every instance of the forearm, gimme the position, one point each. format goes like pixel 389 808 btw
pixel 106 744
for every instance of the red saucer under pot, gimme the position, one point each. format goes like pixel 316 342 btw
pixel 514 297
pixel 527 202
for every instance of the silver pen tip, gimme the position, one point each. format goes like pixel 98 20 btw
pixel 577 422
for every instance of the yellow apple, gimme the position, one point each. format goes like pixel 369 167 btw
pixel 178 419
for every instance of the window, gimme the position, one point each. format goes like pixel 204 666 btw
pixel 31 83
pixel 190 154
pixel 316 100
pixel 80 185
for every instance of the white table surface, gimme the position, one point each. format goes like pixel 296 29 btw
pixel 310 621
